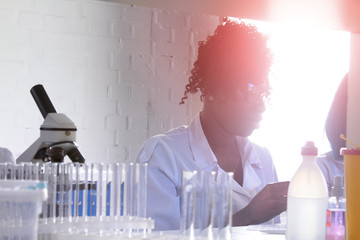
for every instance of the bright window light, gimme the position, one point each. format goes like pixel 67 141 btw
pixel 308 67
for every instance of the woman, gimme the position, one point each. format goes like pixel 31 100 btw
pixel 231 72
pixel 332 163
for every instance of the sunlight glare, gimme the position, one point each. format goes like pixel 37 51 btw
pixel 308 66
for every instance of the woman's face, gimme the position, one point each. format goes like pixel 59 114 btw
pixel 237 109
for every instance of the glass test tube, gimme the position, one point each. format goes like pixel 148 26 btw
pixel 223 205
pixel 206 192
pixel 187 202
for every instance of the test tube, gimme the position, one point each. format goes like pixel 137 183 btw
pixel 13 171
pixel 61 191
pixel 141 184
pixel 206 191
pixel 65 190
pixel 50 175
pixel 97 195
pixel 115 185
pixel 69 182
pixel 223 205
pixel 100 206
pixel 132 190
pixel 25 171
pixel 108 193
pixel 85 196
pixel 126 203
pixel 35 171
pixel 44 174
pixel 187 204
pixel 92 190
pixel 77 183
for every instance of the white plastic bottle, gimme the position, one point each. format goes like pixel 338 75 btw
pixel 307 199
pixel 335 219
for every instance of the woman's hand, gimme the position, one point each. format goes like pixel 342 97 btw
pixel 268 203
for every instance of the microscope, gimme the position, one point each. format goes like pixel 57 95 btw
pixel 57 134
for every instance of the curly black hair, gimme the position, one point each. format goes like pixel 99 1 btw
pixel 235 46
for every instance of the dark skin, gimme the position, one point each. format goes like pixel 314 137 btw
pixel 268 203
pixel 223 146
pixel 223 120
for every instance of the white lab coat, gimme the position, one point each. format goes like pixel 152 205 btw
pixel 186 148
pixel 6 156
pixel 330 167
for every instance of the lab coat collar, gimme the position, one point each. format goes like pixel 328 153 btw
pixel 203 155
pixel 247 152
pixel 251 161
pixel 206 160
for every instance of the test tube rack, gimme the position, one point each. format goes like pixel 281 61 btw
pixel 89 198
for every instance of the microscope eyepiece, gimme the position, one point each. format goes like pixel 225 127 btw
pixel 42 100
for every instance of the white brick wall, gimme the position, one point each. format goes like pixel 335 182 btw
pixel 118 71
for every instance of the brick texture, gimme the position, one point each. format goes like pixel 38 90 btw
pixel 118 71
